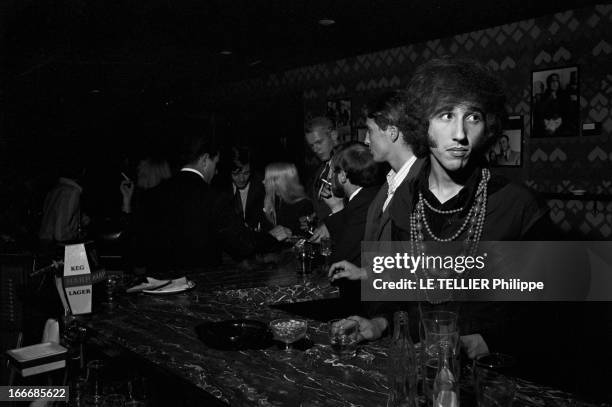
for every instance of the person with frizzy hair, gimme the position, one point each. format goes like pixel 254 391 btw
pixel 454 109
pixel 285 201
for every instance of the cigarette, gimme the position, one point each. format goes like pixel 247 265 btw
pixel 125 176
pixel 326 182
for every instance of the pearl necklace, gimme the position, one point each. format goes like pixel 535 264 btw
pixel 474 222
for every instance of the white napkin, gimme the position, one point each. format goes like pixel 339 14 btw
pixel 176 284
pixel 149 285
pixel 161 286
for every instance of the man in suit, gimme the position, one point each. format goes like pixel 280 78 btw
pixel 354 184
pixel 247 190
pixel 194 225
pixel 321 136
pixel 507 156
pixel 389 142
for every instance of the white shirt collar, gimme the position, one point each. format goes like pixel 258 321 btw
pixel 187 169
pixel 355 193
pixel 244 190
pixel 394 179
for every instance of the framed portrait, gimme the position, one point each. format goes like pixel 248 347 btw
pixel 508 150
pixel 555 108
pixel 339 110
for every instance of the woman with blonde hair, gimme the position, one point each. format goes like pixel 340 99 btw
pixel 285 200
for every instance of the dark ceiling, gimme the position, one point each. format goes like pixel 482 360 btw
pixel 183 38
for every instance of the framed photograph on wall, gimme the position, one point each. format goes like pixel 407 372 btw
pixel 339 110
pixel 555 108
pixel 508 150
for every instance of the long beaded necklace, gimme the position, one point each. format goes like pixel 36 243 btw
pixel 473 222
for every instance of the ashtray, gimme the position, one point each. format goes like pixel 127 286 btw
pixel 235 334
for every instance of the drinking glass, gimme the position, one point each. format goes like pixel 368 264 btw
pixel 343 337
pixel 438 330
pixel 494 387
pixel 305 254
pixel 288 330
pixel 112 281
pixel 95 386
pixel 326 250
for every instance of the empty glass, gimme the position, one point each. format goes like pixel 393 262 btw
pixel 94 392
pixel 438 331
pixel 343 337
pixel 305 254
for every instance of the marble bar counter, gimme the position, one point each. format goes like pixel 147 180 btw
pixel 161 330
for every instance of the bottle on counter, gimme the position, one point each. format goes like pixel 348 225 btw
pixel 446 385
pixel 402 364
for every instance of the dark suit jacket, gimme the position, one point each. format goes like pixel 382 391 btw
pixel 253 212
pixel 194 226
pixel 378 224
pixel 346 229
pixel 348 226
pixel 320 207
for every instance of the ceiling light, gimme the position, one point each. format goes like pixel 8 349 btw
pixel 326 22
pixel 226 52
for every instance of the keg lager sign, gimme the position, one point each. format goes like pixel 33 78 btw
pixel 81 271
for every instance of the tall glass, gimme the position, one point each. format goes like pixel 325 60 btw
pixel 305 254
pixel 326 251
pixel 438 331
pixel 95 387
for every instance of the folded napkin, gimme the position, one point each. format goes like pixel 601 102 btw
pixel 153 284
pixel 175 285
pixel 150 284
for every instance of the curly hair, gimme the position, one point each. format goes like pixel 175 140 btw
pixel 445 82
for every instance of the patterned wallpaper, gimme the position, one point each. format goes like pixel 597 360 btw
pixel 580 37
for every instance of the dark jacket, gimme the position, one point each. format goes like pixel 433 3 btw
pixel 314 184
pixel 195 225
pixel 378 226
pixel 347 227
pixel 253 211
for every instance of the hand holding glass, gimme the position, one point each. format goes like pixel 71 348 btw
pixel 343 337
